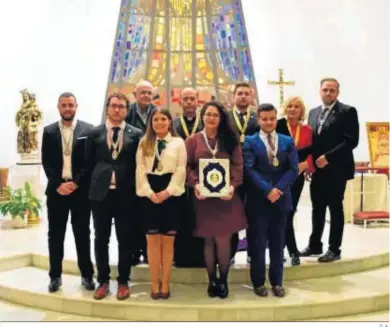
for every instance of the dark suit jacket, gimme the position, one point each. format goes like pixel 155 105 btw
pixel 338 137
pixel 252 128
pixel 179 129
pixel 52 158
pixel 135 120
pixel 261 177
pixel 100 165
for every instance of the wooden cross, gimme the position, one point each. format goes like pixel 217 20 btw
pixel 281 84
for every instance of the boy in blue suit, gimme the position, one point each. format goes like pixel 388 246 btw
pixel 271 167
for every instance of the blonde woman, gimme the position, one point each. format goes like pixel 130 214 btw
pixel 160 178
pixel 292 125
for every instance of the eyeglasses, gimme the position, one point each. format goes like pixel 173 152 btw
pixel 117 106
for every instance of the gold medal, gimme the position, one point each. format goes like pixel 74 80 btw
pixel 275 162
pixel 67 152
pixel 242 138
pixel 114 154
pixel 159 167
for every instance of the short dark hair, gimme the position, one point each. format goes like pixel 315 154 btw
pixel 119 96
pixel 66 95
pixel 266 107
pixel 330 79
pixel 241 84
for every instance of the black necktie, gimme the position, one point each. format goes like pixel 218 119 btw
pixel 161 144
pixel 115 135
pixel 242 118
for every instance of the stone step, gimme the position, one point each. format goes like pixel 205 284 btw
pixel 309 299
pixel 239 273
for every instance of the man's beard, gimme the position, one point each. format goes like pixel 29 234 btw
pixel 69 118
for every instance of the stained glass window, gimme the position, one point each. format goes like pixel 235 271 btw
pixel 180 43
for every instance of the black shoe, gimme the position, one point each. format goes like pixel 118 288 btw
pixel 55 284
pixel 307 252
pixel 278 291
pixel 88 283
pixel 329 256
pixel 295 261
pixel 213 289
pixel 223 291
pixel 261 291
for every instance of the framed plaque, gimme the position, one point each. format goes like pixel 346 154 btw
pixel 214 177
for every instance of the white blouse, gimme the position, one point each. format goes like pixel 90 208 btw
pixel 173 160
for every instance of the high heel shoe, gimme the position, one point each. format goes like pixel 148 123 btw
pixel 213 289
pixel 164 295
pixel 156 295
pixel 223 291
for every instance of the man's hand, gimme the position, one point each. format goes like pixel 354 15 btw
pixel 321 162
pixel 64 189
pixel 163 195
pixel 229 195
pixel 274 195
pixel 302 166
pixel 154 198
pixel 72 186
pixel 197 193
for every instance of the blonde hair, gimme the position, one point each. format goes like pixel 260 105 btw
pixel 300 102
pixel 148 141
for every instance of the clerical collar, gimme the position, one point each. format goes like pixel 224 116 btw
pixel 74 122
pixel 109 125
pixel 167 137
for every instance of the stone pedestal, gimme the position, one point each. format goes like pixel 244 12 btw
pixel 32 173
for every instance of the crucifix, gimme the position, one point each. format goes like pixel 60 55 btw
pixel 281 84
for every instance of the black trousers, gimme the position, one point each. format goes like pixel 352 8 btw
pixel 296 191
pixel 139 238
pixel 58 208
pixel 118 208
pixel 327 190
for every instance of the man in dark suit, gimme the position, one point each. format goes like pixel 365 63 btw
pixel 63 150
pixel 271 167
pixel 335 134
pixel 110 159
pixel 138 116
pixel 244 121
pixel 188 248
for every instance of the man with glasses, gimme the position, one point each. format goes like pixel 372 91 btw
pixel 110 160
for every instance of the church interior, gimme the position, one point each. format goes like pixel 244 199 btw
pixel 281 49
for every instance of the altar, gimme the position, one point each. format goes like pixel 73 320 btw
pixel 366 192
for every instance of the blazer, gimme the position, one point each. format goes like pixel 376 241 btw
pixel 135 120
pixel 253 126
pixel 261 177
pixel 100 165
pixel 338 137
pixel 52 157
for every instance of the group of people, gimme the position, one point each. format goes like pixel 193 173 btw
pixel 141 168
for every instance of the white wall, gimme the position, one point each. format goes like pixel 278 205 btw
pixel 51 46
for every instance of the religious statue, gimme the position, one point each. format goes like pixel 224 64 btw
pixel 28 118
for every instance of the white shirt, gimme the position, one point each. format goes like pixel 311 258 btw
pixel 264 138
pixel 67 134
pixel 173 160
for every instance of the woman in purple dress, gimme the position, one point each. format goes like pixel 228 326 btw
pixel 216 218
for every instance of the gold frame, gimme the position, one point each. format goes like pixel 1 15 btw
pixel 376 130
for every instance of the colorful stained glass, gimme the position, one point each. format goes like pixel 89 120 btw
pixel 180 43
